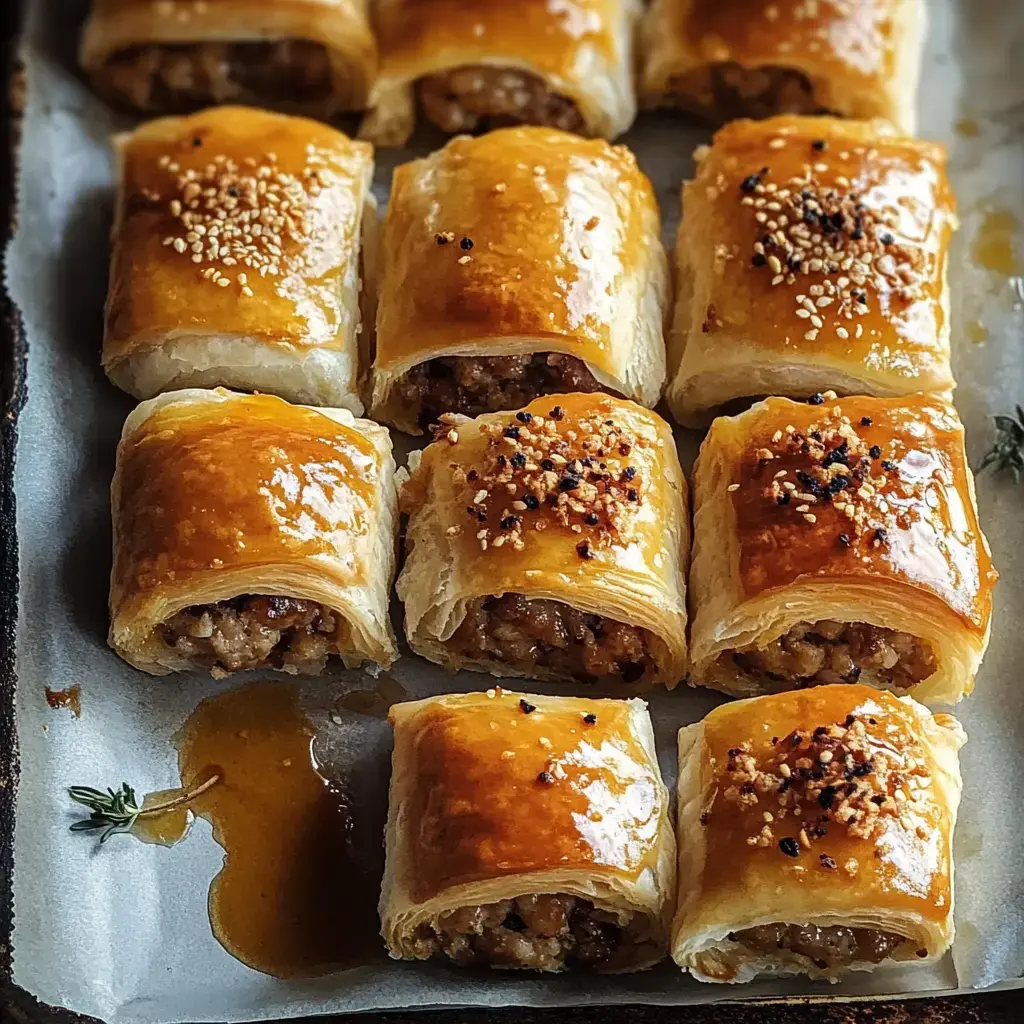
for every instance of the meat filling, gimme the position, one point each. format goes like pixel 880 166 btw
pixel 546 932
pixel 472 385
pixel 728 91
pixel 254 631
pixel 479 98
pixel 180 77
pixel 551 637
pixel 815 653
pixel 829 949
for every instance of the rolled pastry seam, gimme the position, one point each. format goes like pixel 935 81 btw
pixel 521 263
pixel 837 541
pixel 237 257
pixel 812 255
pixel 727 59
pixel 815 835
pixel 473 67
pixel 250 533
pixel 527 832
pixel 314 57
pixel 550 544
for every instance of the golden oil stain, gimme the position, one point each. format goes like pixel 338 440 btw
pixel 977 332
pixel 967 128
pixel 292 899
pixel 71 698
pixel 166 827
pixel 376 702
pixel 994 248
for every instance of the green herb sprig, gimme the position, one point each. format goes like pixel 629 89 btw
pixel 1007 454
pixel 117 810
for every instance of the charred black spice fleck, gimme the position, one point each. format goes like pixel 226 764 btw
pixel 865 421
pixel 816 399
pixel 758 260
pixel 590 718
pixel 789 846
pixel 510 521
pixel 875 451
pixel 569 482
pixel 526 707
pixel 632 494
pixel 750 182
pixel 531 502
pixel 628 473
pixel 881 536
pixel 783 498
pixel 441 239
pixel 547 465
pixel 887 238
pixel 545 778
pixel 524 417
pixel 197 140
pixel 889 466
pixel 827 862
pixel 583 549
pixel 518 461
pixel 591 519
pixel 827 797
pixel 557 413
pixel 466 243
pixel 820 145
pixel 512 432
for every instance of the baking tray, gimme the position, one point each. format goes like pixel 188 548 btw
pixel 1006 1005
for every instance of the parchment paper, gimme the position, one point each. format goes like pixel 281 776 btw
pixel 122 932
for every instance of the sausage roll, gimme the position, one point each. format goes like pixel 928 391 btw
pixel 550 544
pixel 835 542
pixel 811 255
pixel 474 65
pixel 725 59
pixel 237 257
pixel 815 835
pixel 250 533
pixel 527 832
pixel 522 263
pixel 315 57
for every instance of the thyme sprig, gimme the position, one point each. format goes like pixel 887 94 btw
pixel 117 810
pixel 1007 454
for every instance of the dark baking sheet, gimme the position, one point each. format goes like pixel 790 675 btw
pixel 17 1005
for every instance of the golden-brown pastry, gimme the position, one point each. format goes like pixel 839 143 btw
pixel 837 541
pixel 724 59
pixel 478 64
pixel 815 835
pixel 522 263
pixel 237 257
pixel 250 533
pixel 811 255
pixel 315 57
pixel 550 543
pixel 527 832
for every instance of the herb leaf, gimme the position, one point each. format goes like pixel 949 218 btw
pixel 1007 454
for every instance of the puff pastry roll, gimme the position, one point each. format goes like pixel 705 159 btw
pixel 725 59
pixel 527 832
pixel 837 541
pixel 237 257
pixel 473 66
pixel 250 533
pixel 815 835
pixel 550 543
pixel 522 263
pixel 315 57
pixel 811 255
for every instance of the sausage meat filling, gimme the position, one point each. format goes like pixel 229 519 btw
pixel 727 91
pixel 549 636
pixel 253 631
pixel 829 949
pixel 817 653
pixel 546 932
pixel 478 98
pixel 178 77
pixel 472 385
